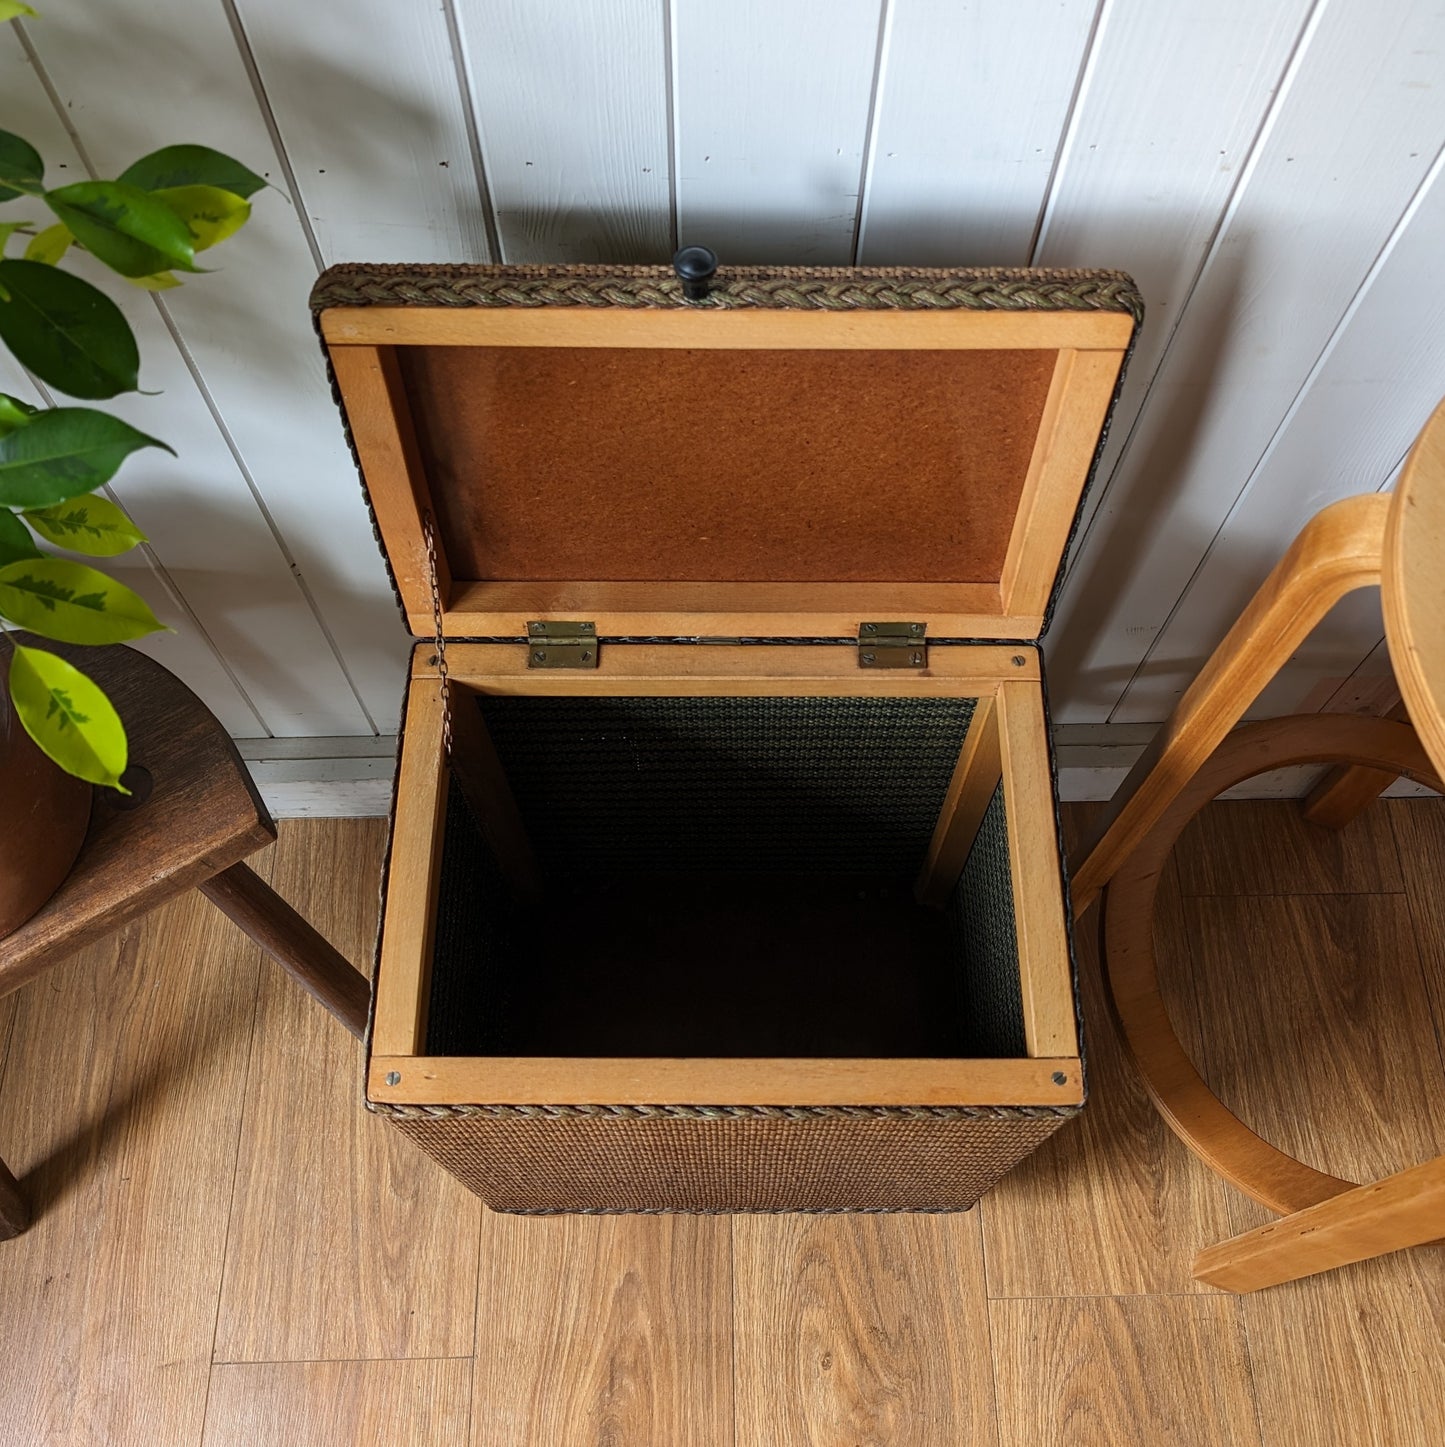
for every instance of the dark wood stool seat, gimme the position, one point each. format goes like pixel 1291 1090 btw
pixel 193 817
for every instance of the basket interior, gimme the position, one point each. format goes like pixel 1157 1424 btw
pixel 725 877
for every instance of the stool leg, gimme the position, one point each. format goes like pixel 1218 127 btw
pixel 1337 551
pixel 320 969
pixel 1344 794
pixel 1407 1209
pixel 14 1208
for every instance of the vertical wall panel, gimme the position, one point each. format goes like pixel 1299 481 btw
pixel 369 109
pixel 1355 132
pixel 196 507
pixel 155 72
pixel 972 101
pixel 772 109
pixel 571 103
pixel 1368 399
pixel 1167 112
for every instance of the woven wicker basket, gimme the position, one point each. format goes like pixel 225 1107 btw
pixel 692 903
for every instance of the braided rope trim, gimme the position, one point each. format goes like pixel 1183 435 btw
pixel 781 288
pixel 725 1112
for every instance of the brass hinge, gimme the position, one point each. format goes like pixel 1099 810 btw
pixel 892 645
pixel 562 645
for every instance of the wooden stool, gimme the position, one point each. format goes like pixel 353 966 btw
pixel 1394 541
pixel 194 816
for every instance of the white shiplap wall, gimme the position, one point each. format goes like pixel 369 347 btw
pixel 1269 170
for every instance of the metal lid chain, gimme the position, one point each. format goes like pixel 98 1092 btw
pixel 429 533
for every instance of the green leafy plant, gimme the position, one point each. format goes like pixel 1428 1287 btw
pixel 146 225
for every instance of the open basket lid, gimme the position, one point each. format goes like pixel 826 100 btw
pixel 796 452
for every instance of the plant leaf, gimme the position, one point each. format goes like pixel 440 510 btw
pixel 94 526
pixel 66 331
pixel 68 716
pixel 62 453
pixel 128 229
pixel 192 166
pixel 13 9
pixel 72 603
pixel 21 169
pixel 8 229
pixel 16 543
pixel 210 214
pixel 161 281
pixel 49 245
pixel 14 413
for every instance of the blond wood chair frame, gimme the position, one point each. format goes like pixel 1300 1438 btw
pixel 1374 539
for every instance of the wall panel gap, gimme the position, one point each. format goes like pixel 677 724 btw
pixel 475 144
pixel 1211 250
pixel 1068 133
pixel 1356 301
pixel 268 117
pixel 870 139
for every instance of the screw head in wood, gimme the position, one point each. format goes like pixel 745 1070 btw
pixel 393 1077
pixel 1059 1078
pixel 1019 660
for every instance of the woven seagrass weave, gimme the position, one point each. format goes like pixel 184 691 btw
pixel 543 1163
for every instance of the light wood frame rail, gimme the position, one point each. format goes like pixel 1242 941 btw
pixel 363 345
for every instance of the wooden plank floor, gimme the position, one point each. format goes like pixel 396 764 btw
pixel 231 1252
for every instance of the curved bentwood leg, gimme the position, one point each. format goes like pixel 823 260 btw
pixel 1362 1223
pixel 1338 550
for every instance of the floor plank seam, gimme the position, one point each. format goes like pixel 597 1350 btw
pixel 260 964
pixel 733 1334
pixel 996 1389
pixel 1249 1357
pixel 1293 893
pixel 332 1361
pixel 1119 1296
pixel 476 1335
pixel 1425 949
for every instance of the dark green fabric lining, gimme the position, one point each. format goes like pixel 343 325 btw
pixel 981 913
pixel 838 786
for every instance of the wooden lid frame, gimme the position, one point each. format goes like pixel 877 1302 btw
pixel 1077 325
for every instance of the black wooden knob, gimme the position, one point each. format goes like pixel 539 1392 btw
pixel 694 266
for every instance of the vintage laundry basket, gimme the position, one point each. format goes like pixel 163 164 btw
pixel 724 868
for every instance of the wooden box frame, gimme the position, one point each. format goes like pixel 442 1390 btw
pixel 649 634
pixel 1006 740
